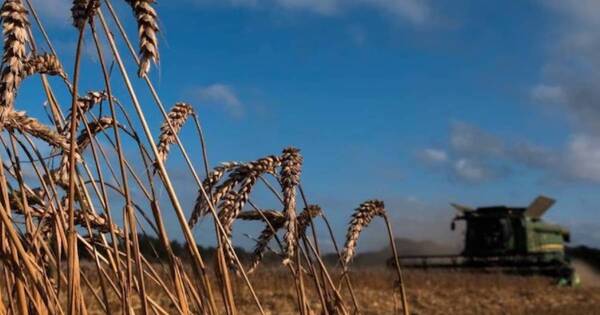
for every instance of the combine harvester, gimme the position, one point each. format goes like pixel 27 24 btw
pixel 507 239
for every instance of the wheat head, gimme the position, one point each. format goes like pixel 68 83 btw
pixel 84 104
pixel 14 28
pixel 266 235
pixel 291 167
pixel 234 202
pixel 43 64
pixel 85 138
pixel 147 28
pixel 361 218
pixel 176 117
pixel 79 11
pixel 277 221
pixel 18 120
pixel 271 215
pixel 201 206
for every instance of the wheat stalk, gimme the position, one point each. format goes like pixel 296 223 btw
pixel 291 167
pixel 14 28
pixel 176 118
pixel 361 218
pixel 147 28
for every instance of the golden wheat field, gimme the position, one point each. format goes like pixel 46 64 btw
pixel 447 292
pixel 429 292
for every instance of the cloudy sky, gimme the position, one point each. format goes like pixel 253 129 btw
pixel 416 102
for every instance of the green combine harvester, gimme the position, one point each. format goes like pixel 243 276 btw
pixel 508 239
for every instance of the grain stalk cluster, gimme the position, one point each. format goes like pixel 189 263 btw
pixel 90 182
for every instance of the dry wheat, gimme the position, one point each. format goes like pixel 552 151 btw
pixel 43 64
pixel 276 222
pixel 79 11
pixel 147 28
pixel 176 118
pixel 305 218
pixel 14 27
pixel 291 167
pixel 265 237
pixel 18 120
pixel 84 104
pixel 95 127
pixel 271 216
pixel 362 216
pixel 201 206
pixel 233 202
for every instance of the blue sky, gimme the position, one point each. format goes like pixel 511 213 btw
pixel 418 103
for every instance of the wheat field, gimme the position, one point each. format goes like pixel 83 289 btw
pixel 81 185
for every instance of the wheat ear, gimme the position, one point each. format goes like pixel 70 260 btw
pixel 14 28
pixel 18 120
pixel 147 28
pixel 234 201
pixel 176 118
pixel 79 11
pixel 43 64
pixel 361 218
pixel 84 104
pixel 61 174
pixel 95 127
pixel 277 221
pixel 201 205
pixel 266 235
pixel 291 167
pixel 271 216
pixel 306 216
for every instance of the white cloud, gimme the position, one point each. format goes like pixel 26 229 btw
pixel 550 94
pixel 470 170
pixel 417 12
pixel 573 62
pixel 583 157
pixel 317 6
pixel 434 156
pixel 472 155
pixel 220 95
pixel 475 155
pixel 470 140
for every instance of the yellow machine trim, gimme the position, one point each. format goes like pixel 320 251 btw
pixel 551 247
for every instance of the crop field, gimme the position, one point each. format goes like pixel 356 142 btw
pixel 445 292
pixel 429 292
